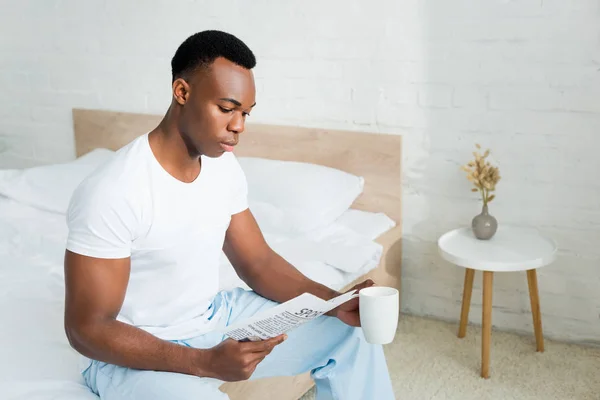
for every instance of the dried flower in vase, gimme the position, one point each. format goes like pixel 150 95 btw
pixel 483 175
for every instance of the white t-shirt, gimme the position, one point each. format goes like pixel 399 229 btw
pixel 173 232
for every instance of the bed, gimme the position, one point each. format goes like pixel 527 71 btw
pixel 36 361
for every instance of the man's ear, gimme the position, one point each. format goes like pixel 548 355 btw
pixel 181 91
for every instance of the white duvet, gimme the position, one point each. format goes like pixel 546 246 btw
pixel 36 361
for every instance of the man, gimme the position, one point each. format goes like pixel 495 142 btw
pixel 146 231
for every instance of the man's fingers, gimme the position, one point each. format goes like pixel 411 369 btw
pixel 265 345
pixel 271 343
pixel 351 304
pixel 349 318
pixel 365 284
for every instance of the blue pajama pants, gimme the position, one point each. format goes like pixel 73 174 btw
pixel 343 365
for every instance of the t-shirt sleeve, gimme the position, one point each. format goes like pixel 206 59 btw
pixel 101 223
pixel 239 198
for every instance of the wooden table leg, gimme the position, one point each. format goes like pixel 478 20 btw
pixel 466 302
pixel 535 308
pixel 488 278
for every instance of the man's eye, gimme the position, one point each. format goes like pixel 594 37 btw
pixel 246 114
pixel 225 110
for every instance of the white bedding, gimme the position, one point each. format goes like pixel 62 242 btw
pixel 36 361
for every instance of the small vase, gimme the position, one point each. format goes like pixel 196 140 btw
pixel 484 225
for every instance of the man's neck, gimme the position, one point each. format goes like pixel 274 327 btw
pixel 171 152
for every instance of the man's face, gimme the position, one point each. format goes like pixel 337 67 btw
pixel 214 111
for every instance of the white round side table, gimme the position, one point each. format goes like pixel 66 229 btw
pixel 510 249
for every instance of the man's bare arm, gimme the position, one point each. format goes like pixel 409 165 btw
pixel 94 293
pixel 266 272
pixel 95 289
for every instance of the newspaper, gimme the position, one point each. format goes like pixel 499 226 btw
pixel 284 317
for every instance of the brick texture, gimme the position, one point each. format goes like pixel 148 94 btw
pixel 520 77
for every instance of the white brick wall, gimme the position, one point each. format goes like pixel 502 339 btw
pixel 521 77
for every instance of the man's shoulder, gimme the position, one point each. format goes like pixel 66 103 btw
pixel 119 177
pixel 105 211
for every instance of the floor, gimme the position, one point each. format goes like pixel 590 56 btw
pixel 427 361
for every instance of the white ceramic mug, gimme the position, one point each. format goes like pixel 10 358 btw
pixel 379 307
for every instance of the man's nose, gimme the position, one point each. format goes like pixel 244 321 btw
pixel 236 124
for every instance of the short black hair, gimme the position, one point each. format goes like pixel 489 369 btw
pixel 202 48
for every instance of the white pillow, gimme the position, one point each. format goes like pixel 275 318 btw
pixel 369 224
pixel 50 187
pixel 290 196
pixel 336 246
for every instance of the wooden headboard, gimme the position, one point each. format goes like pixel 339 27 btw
pixel 376 157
